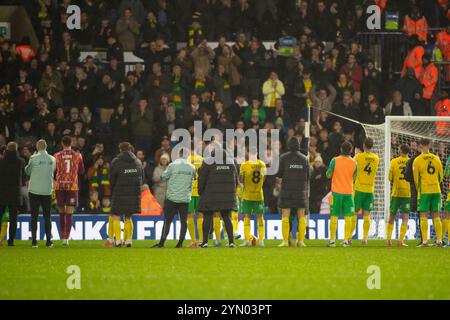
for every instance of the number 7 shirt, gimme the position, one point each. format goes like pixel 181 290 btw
pixel 428 173
pixel 69 164
pixel 367 170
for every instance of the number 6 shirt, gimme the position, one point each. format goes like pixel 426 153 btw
pixel 428 173
pixel 69 164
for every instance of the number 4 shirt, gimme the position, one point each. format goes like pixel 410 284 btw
pixel 367 169
pixel 253 173
pixel 69 164
pixel 428 173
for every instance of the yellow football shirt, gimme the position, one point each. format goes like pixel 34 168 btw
pixel 400 187
pixel 428 173
pixel 367 170
pixel 197 161
pixel 253 174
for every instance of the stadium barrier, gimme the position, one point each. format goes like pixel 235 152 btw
pixel 94 227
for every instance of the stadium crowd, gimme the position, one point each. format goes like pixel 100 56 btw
pixel 48 92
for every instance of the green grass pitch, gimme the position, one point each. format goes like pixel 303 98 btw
pixel 315 272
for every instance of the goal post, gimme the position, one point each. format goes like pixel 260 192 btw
pixel 387 138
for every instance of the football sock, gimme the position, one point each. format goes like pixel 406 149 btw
pixel 261 231
pixel 191 226
pixel 110 228
pixel 128 230
pixel 354 220
pixel 4 230
pixel 438 228
pixel 235 221
pixel 117 230
pixel 347 227
pixel 125 230
pixel 200 228
pixel 217 227
pixel 424 228
pixel 445 223
pixel 366 227
pixel 333 227
pixel 62 224
pixel 247 228
pixel 285 228
pixel 301 228
pixel 403 229
pixel 389 229
pixel 68 225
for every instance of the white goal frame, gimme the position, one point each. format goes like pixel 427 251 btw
pixel 387 148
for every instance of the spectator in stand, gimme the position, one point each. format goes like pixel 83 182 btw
pixel 202 57
pixel 160 185
pixel 231 63
pixel 51 87
pixel 398 107
pixel 142 125
pixel 136 8
pixel 319 184
pixel 127 29
pixel 347 108
pixel 147 167
pixel 272 89
pixel 322 100
pixel 98 176
pixel 255 110
pixel 354 72
pixel 164 148
pixel 409 85
pixel 252 58
pixel 372 113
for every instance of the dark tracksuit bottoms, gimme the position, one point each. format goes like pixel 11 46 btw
pixel 208 224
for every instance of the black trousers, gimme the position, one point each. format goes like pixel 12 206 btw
pixel 37 201
pixel 13 210
pixel 208 224
pixel 170 210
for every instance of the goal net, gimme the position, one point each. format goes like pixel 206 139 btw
pixel 388 137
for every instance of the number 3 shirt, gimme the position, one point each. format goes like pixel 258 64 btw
pixel 69 164
pixel 428 173
pixel 253 173
pixel 400 187
pixel 367 170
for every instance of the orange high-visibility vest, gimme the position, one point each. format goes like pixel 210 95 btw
pixel 149 205
pixel 414 60
pixel 429 80
pixel 381 4
pixel 443 43
pixel 25 52
pixel 442 109
pixel 419 27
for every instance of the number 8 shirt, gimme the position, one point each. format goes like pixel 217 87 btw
pixel 253 173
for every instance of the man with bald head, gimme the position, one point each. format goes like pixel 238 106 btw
pixel 41 169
